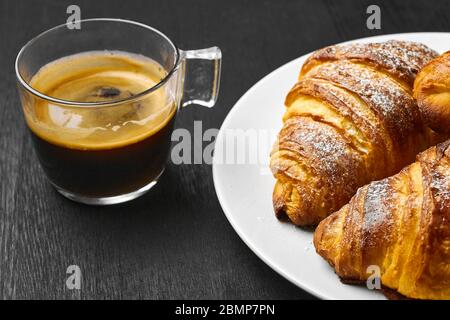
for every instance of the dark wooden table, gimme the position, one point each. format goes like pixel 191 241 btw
pixel 174 242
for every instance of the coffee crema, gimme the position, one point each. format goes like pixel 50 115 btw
pixel 99 77
pixel 106 150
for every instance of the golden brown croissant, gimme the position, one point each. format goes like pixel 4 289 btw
pixel 432 91
pixel 400 224
pixel 350 119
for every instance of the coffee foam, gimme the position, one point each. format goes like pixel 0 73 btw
pixel 94 77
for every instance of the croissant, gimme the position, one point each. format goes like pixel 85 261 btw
pixel 350 119
pixel 400 224
pixel 432 91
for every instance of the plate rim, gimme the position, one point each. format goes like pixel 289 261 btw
pixel 220 192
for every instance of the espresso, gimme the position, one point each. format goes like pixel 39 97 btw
pixel 101 151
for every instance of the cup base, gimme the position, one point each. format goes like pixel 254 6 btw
pixel 104 201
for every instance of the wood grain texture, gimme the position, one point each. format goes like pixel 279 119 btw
pixel 174 242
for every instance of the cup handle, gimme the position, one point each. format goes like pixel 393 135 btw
pixel 201 76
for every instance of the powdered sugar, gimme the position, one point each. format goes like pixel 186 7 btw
pixel 395 107
pixel 402 59
pixel 377 205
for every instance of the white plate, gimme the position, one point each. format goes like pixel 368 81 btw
pixel 245 190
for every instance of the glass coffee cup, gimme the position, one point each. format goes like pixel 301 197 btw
pixel 100 103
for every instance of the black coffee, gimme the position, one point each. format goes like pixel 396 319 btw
pixel 101 151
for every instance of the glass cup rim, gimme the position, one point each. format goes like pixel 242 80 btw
pixel 63 102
